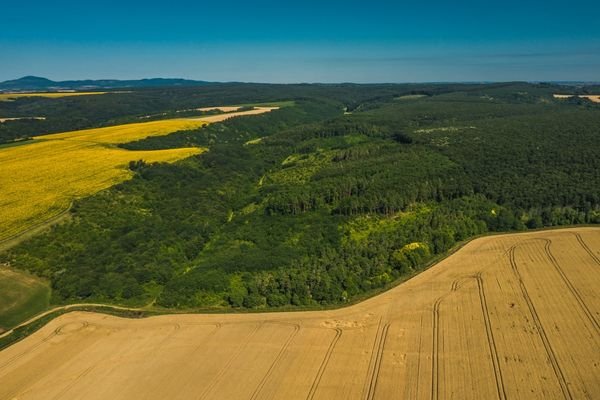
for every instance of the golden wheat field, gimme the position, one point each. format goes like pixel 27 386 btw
pixel 506 317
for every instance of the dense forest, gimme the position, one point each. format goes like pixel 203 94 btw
pixel 341 192
pixel 124 106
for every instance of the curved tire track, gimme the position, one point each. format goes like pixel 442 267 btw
pixel 490 339
pixel 263 381
pixel 231 359
pixel 435 349
pixel 586 247
pixel 572 288
pixel 540 328
pixel 435 365
pixel 56 332
pixel 323 366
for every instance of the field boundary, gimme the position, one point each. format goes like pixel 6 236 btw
pixel 16 238
pixel 146 311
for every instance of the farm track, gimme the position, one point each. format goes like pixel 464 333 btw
pixel 493 320
pixel 560 376
pixel 15 239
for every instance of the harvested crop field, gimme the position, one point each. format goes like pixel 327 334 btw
pixel 510 316
pixel 591 97
pixel 227 115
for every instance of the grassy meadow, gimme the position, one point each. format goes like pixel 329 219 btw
pixel 21 296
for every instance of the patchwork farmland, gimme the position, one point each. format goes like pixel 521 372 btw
pixel 509 317
pixel 40 178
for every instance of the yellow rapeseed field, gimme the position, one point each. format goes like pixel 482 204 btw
pixel 40 180
pixel 13 96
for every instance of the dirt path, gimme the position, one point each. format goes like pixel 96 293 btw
pixel 14 240
pixel 68 307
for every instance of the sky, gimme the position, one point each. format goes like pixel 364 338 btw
pixel 302 41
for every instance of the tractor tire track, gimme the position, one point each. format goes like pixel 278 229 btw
pixel 210 335
pixel 435 349
pixel 540 328
pixel 435 365
pixel 263 381
pixel 54 333
pixel 572 288
pixel 418 383
pixel 376 358
pixel 323 366
pixel 586 247
pixel 74 382
pixel 231 359
pixel 490 339
pixel 176 328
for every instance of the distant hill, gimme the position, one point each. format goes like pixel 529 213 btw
pixel 35 83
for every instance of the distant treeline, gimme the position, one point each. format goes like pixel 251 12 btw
pixel 71 113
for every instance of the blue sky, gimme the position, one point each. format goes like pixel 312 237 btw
pixel 302 41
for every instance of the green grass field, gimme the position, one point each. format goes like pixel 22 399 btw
pixel 21 297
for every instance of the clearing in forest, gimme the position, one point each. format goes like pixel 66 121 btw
pixel 508 316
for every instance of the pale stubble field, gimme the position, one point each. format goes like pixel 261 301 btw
pixel 510 316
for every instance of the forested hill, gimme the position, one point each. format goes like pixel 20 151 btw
pixel 35 83
pixel 116 107
pixel 331 198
